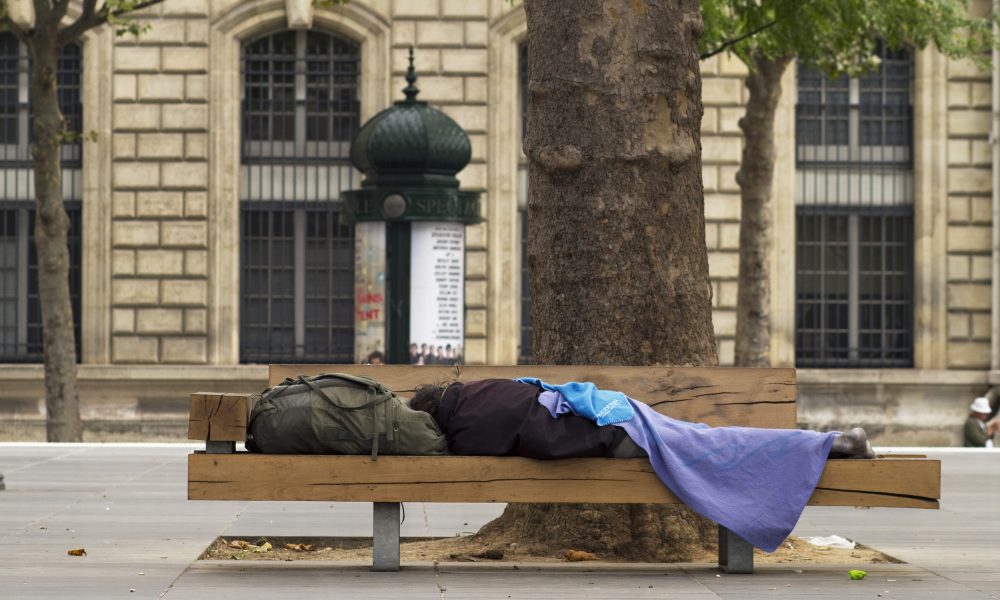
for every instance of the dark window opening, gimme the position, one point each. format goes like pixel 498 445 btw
pixel 300 111
pixel 854 217
pixel 20 306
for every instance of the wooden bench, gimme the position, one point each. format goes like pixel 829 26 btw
pixel 716 396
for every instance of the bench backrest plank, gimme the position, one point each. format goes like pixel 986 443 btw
pixel 713 395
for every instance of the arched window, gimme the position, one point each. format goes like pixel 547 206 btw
pixel 854 217
pixel 20 309
pixel 300 111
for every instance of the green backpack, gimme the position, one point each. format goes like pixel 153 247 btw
pixel 336 413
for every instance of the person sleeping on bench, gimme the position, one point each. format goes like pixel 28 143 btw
pixel 755 482
pixel 527 417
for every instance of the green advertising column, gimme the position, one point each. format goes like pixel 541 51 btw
pixel 410 222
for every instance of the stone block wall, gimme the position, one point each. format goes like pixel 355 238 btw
pixel 969 214
pixel 172 290
pixel 159 287
pixel 724 96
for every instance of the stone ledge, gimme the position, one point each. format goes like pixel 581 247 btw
pixel 892 377
pixel 114 373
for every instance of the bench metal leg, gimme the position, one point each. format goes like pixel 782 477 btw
pixel 735 553
pixel 220 447
pixel 385 538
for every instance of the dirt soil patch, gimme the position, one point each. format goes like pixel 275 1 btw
pixel 468 549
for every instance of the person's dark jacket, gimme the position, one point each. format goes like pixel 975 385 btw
pixel 501 417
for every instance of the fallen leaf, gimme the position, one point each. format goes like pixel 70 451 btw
pixel 77 552
pixel 241 544
pixel 299 547
pixel 578 555
pixel 265 547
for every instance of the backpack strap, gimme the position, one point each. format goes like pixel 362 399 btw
pixel 312 385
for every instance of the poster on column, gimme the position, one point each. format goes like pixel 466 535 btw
pixel 437 293
pixel 369 292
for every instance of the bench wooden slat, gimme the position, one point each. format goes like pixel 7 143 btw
pixel 903 483
pixel 713 395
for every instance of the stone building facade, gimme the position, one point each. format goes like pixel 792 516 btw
pixel 161 190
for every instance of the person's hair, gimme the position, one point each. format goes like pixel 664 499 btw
pixel 376 355
pixel 427 398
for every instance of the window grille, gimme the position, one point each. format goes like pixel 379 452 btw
pixel 524 354
pixel 854 217
pixel 300 111
pixel 20 308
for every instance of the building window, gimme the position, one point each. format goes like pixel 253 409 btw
pixel 524 351
pixel 854 217
pixel 300 111
pixel 20 308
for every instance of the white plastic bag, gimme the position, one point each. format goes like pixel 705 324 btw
pixel 831 541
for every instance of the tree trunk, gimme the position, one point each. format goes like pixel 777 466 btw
pixel 616 249
pixel 756 177
pixel 62 403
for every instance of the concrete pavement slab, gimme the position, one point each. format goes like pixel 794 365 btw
pixel 126 504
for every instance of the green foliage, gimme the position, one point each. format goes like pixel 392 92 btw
pixel 118 16
pixel 71 137
pixel 840 36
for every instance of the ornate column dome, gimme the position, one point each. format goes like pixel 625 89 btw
pixel 411 144
pixel 410 154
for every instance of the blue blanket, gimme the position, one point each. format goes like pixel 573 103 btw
pixel 755 482
pixel 604 407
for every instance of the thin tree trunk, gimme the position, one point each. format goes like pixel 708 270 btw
pixel 756 177
pixel 51 227
pixel 616 250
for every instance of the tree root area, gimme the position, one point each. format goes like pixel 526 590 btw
pixel 553 533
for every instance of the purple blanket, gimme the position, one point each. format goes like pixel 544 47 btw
pixel 755 482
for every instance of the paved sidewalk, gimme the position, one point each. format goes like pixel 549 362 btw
pixel 126 505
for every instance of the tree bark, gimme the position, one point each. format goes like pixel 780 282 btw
pixel 51 228
pixel 755 178
pixel 616 250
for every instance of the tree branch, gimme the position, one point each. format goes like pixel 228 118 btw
pixel 88 19
pixel 59 9
pixel 43 8
pixel 92 18
pixel 733 42
pixel 138 6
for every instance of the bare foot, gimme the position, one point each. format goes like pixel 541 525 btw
pixel 853 444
